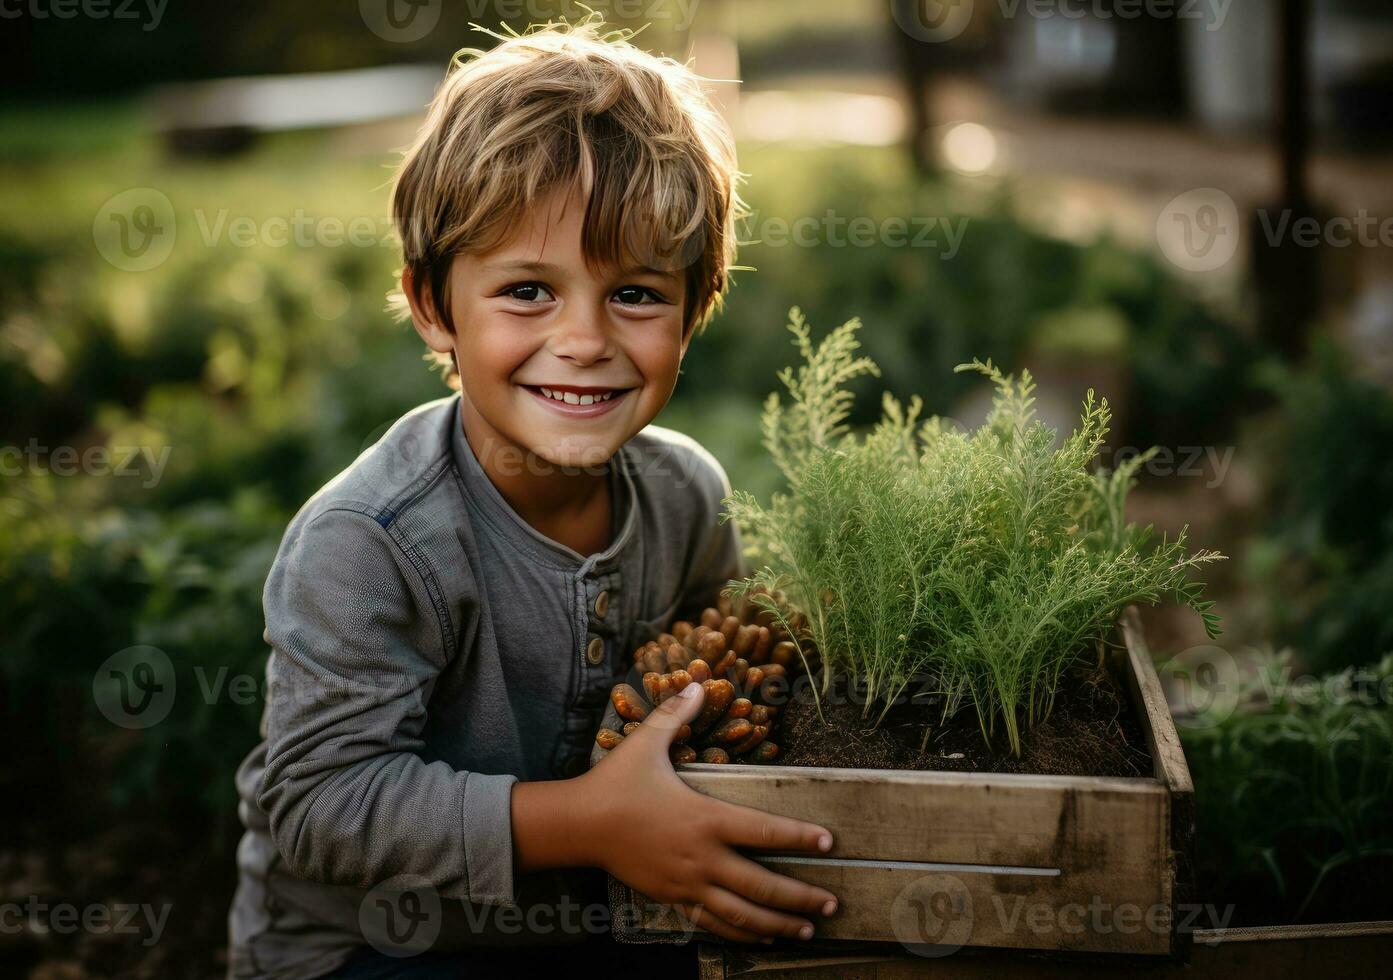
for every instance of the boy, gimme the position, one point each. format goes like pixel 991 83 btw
pixel 447 615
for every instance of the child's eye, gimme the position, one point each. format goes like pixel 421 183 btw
pixel 637 295
pixel 527 292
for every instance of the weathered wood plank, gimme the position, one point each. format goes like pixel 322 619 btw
pixel 949 909
pixel 1149 697
pixel 1283 934
pixel 1358 949
pixel 1168 757
pixel 1071 823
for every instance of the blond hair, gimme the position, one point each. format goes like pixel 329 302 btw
pixel 571 105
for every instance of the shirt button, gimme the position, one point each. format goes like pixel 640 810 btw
pixel 602 604
pixel 595 651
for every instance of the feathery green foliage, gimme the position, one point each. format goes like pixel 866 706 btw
pixel 988 561
pixel 1294 785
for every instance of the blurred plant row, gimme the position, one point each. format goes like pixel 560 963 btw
pixel 265 369
pixel 1294 793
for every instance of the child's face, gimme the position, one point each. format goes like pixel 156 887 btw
pixel 559 360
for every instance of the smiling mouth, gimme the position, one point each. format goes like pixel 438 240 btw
pixel 578 400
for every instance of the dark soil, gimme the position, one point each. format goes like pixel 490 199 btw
pixel 1092 731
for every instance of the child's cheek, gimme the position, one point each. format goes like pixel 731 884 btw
pixel 499 351
pixel 661 357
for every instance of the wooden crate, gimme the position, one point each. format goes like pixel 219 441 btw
pixel 1341 949
pixel 935 861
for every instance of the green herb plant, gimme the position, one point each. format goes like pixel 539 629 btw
pixel 1294 786
pixel 989 562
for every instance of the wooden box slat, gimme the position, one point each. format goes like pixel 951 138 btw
pixel 877 905
pixel 1169 766
pixel 1059 822
pixel 1341 949
pixel 1148 697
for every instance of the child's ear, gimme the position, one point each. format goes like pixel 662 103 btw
pixel 424 316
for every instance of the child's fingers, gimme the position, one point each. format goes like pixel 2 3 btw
pixel 747 827
pixel 764 887
pixel 741 913
pixel 673 713
pixel 703 918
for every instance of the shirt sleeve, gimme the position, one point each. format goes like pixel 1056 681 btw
pixel 356 651
pixel 719 554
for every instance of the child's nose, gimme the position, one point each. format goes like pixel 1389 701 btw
pixel 582 338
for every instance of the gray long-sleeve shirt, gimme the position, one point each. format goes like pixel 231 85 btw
pixel 429 649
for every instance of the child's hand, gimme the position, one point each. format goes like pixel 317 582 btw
pixel 675 845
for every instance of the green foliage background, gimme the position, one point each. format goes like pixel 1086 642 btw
pixel 1295 792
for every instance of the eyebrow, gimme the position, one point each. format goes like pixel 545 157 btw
pixel 643 270
pixel 522 265
pixel 547 268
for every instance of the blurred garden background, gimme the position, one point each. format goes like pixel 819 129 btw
pixel 194 257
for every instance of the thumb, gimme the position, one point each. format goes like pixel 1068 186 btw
pixel 675 712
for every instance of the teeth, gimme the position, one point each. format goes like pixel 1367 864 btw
pixel 571 398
